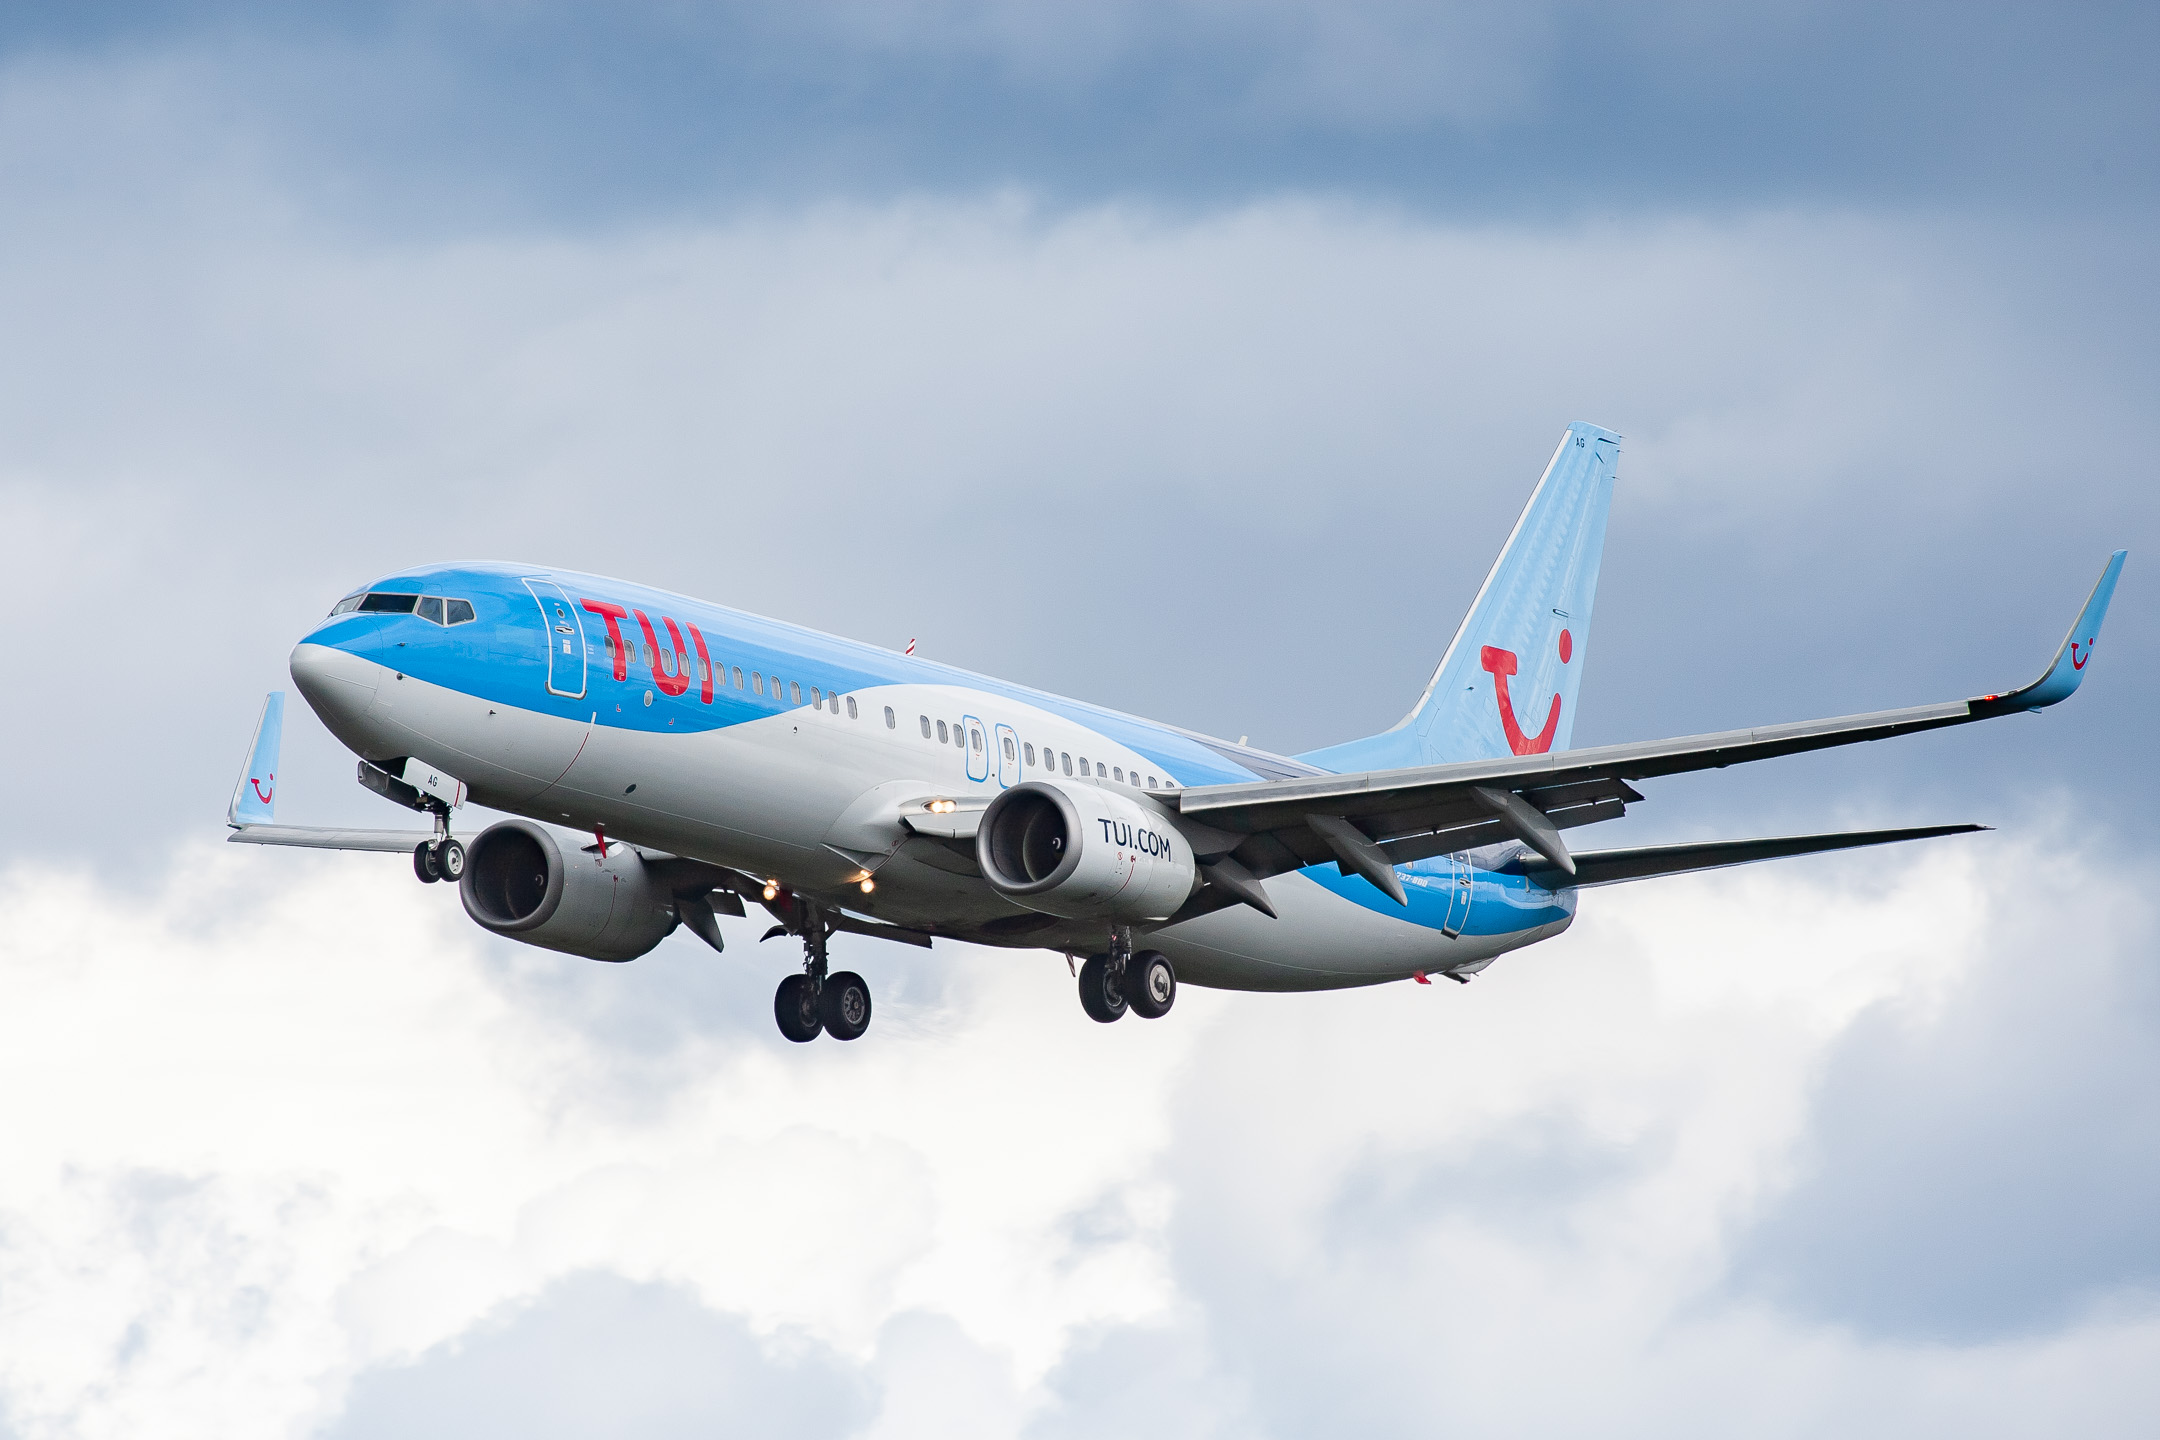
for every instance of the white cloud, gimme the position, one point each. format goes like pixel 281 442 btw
pixel 289 1120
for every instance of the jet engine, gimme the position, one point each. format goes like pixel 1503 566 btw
pixel 520 883
pixel 1083 853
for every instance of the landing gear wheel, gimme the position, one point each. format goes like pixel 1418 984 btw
pixel 1150 984
pixel 424 863
pixel 1099 994
pixel 450 861
pixel 795 1006
pixel 845 1005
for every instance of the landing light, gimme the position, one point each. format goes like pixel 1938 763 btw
pixel 772 888
pixel 868 884
pixel 943 807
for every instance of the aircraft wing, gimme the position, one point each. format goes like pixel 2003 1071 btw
pixel 1370 822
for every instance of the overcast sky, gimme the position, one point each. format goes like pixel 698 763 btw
pixel 1192 358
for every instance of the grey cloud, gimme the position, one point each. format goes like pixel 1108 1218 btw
pixel 600 1355
pixel 452 114
pixel 1991 1170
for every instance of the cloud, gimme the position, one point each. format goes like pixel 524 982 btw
pixel 451 114
pixel 294 1148
pixel 594 1354
pixel 893 421
pixel 1988 1164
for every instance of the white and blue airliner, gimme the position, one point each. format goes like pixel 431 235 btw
pixel 664 760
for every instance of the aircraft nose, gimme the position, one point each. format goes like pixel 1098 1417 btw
pixel 337 685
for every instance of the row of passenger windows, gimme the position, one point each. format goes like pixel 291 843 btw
pixel 1052 761
pixel 672 662
pixel 435 608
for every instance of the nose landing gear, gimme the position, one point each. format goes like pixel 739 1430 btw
pixel 441 858
pixel 836 1004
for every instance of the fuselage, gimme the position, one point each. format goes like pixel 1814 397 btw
pixel 690 728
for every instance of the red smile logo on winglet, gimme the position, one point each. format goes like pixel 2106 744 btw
pixel 260 793
pixel 1502 663
pixel 2077 662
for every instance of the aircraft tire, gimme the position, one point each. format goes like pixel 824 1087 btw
pixel 795 1006
pixel 1150 984
pixel 1102 1000
pixel 423 862
pixel 845 1005
pixel 450 860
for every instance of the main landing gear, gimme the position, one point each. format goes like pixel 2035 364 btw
pixel 1111 984
pixel 835 1003
pixel 441 858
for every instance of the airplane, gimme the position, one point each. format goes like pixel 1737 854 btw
pixel 663 760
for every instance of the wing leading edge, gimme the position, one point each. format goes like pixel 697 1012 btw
pixel 1270 827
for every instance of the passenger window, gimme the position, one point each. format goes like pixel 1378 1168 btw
pixel 1029 751
pixel 458 611
pixel 942 737
pixel 1151 782
pixel 926 727
pixel 757 682
pixel 380 603
pixel 851 709
pixel 1009 749
pixel 975 740
pixel 794 692
pixel 817 701
pixel 1120 773
pixel 1083 765
pixel 892 721
pixel 1062 755
pixel 738 677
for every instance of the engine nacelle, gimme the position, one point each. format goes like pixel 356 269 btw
pixel 519 883
pixel 1083 853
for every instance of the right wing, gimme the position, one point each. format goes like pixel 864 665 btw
pixel 1368 823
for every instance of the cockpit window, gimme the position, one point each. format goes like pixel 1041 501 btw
pixel 437 609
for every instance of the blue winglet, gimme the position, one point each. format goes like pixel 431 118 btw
pixel 254 800
pixel 2068 667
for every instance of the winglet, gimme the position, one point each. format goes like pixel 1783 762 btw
pixel 254 799
pixel 2068 667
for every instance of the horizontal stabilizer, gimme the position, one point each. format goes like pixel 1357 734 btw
pixel 1610 867
pixel 313 838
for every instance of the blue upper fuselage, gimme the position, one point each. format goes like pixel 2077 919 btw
pixel 502 655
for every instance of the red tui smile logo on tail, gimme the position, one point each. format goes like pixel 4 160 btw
pixel 1502 663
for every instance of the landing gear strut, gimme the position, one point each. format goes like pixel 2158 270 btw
pixel 441 858
pixel 836 1004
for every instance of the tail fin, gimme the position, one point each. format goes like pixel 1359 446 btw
pixel 254 800
pixel 1524 638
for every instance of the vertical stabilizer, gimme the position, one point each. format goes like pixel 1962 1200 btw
pixel 254 800
pixel 1507 684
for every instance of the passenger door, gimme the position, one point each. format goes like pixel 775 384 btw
pixel 565 639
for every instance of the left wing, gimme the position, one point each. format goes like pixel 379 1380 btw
pixel 253 810
pixel 1368 823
